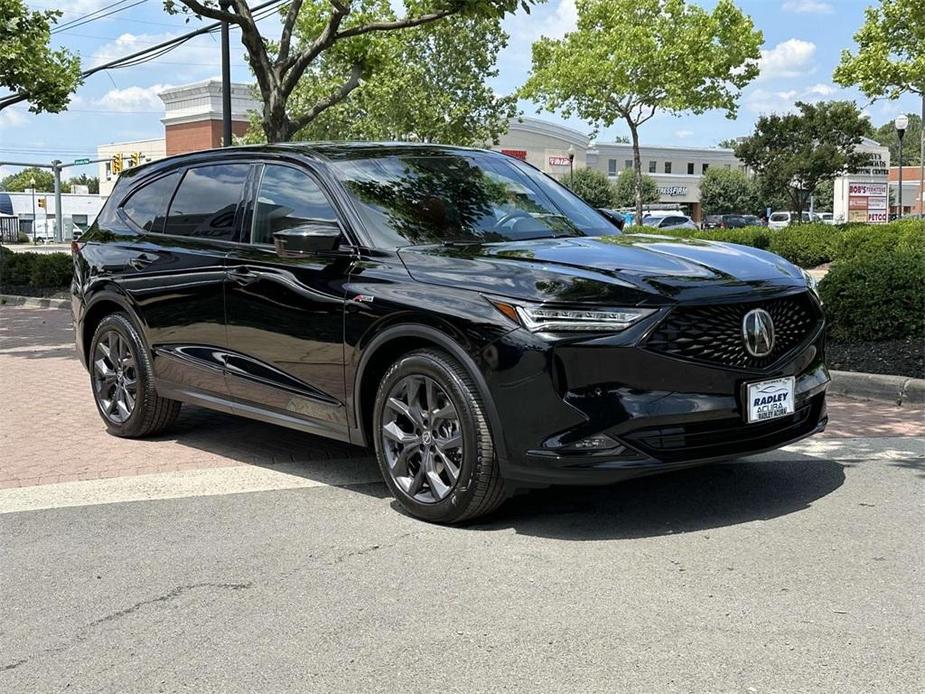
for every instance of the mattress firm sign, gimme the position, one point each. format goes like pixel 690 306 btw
pixel 867 202
pixel 672 191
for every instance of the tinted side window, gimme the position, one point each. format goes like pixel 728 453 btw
pixel 206 202
pixel 287 198
pixel 147 206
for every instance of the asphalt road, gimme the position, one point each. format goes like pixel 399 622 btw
pixel 801 572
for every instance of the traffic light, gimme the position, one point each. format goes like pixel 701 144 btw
pixel 116 164
pixel 134 159
pixel 42 202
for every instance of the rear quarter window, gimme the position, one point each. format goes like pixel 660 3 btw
pixel 147 206
pixel 779 217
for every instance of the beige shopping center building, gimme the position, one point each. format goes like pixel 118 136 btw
pixel 677 170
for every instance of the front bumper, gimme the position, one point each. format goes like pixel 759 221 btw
pixel 663 413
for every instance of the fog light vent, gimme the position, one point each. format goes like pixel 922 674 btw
pixel 598 442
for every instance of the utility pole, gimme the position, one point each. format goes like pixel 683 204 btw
pixel 922 161
pixel 226 80
pixel 59 216
pixel 35 231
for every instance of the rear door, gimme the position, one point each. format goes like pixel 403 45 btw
pixel 189 219
pixel 286 314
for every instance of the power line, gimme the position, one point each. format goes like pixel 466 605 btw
pixel 97 14
pixel 156 51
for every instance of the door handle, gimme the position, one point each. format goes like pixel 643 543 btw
pixel 242 275
pixel 142 260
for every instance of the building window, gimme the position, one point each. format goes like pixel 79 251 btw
pixel 704 169
pixel 690 168
pixel 628 164
pixel 652 166
pixel 667 167
pixel 611 167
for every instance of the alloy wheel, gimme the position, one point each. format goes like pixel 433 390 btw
pixel 422 438
pixel 115 377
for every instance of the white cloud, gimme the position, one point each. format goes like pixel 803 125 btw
pixel 765 101
pixel 12 116
pixel 808 7
pixel 790 58
pixel 682 134
pixel 132 99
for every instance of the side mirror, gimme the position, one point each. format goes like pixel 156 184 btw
pixel 311 238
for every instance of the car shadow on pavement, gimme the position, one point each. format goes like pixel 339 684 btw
pixel 697 499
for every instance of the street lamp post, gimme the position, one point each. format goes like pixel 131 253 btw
pixel 571 165
pixel 901 124
pixel 35 231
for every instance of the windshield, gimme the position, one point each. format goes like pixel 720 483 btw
pixel 471 197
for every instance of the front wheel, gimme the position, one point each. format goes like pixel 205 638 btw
pixel 433 442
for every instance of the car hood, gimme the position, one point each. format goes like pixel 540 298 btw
pixel 628 268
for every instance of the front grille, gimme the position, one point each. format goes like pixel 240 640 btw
pixel 725 437
pixel 713 333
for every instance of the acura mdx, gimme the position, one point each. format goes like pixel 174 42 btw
pixel 457 310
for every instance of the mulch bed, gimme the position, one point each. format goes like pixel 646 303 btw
pixel 896 357
pixel 40 292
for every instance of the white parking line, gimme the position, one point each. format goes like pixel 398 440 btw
pixel 239 479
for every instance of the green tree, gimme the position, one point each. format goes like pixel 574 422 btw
pixel 310 28
pixel 92 183
pixel 627 190
pixel 886 135
pixel 430 85
pixel 724 191
pixel 890 59
pixel 592 186
pixel 629 59
pixel 21 180
pixel 28 65
pixel 796 152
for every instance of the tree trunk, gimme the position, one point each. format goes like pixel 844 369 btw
pixel 276 124
pixel 637 171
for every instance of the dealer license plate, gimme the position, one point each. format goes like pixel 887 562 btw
pixel 770 399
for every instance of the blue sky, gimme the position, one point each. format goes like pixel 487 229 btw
pixel 803 41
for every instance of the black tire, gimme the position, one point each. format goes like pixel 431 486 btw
pixel 151 414
pixel 479 488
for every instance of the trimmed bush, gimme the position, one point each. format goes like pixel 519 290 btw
pixel 38 270
pixel 806 245
pixel 876 294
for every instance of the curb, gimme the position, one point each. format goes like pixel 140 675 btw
pixel 33 301
pixel 899 390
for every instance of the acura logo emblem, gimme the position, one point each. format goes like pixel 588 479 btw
pixel 758 332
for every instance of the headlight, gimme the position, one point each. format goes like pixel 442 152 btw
pixel 811 284
pixel 541 319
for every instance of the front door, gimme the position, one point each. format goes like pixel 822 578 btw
pixel 285 315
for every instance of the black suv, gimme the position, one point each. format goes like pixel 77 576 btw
pixel 479 325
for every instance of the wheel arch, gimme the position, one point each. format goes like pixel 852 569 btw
pixel 104 303
pixel 390 344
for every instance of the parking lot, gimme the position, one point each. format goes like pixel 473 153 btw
pixel 231 555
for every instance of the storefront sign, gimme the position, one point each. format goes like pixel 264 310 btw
pixel 558 160
pixel 516 153
pixel 867 189
pixel 875 165
pixel 672 191
pixel 867 203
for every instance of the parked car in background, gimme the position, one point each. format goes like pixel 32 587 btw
pixel 826 217
pixel 779 220
pixel 712 221
pixel 668 220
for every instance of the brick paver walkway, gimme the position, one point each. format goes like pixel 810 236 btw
pixel 50 431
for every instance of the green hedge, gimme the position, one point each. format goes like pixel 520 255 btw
pixel 876 293
pixel 810 245
pixel 37 270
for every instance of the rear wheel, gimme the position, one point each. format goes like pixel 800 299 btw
pixel 122 380
pixel 433 442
